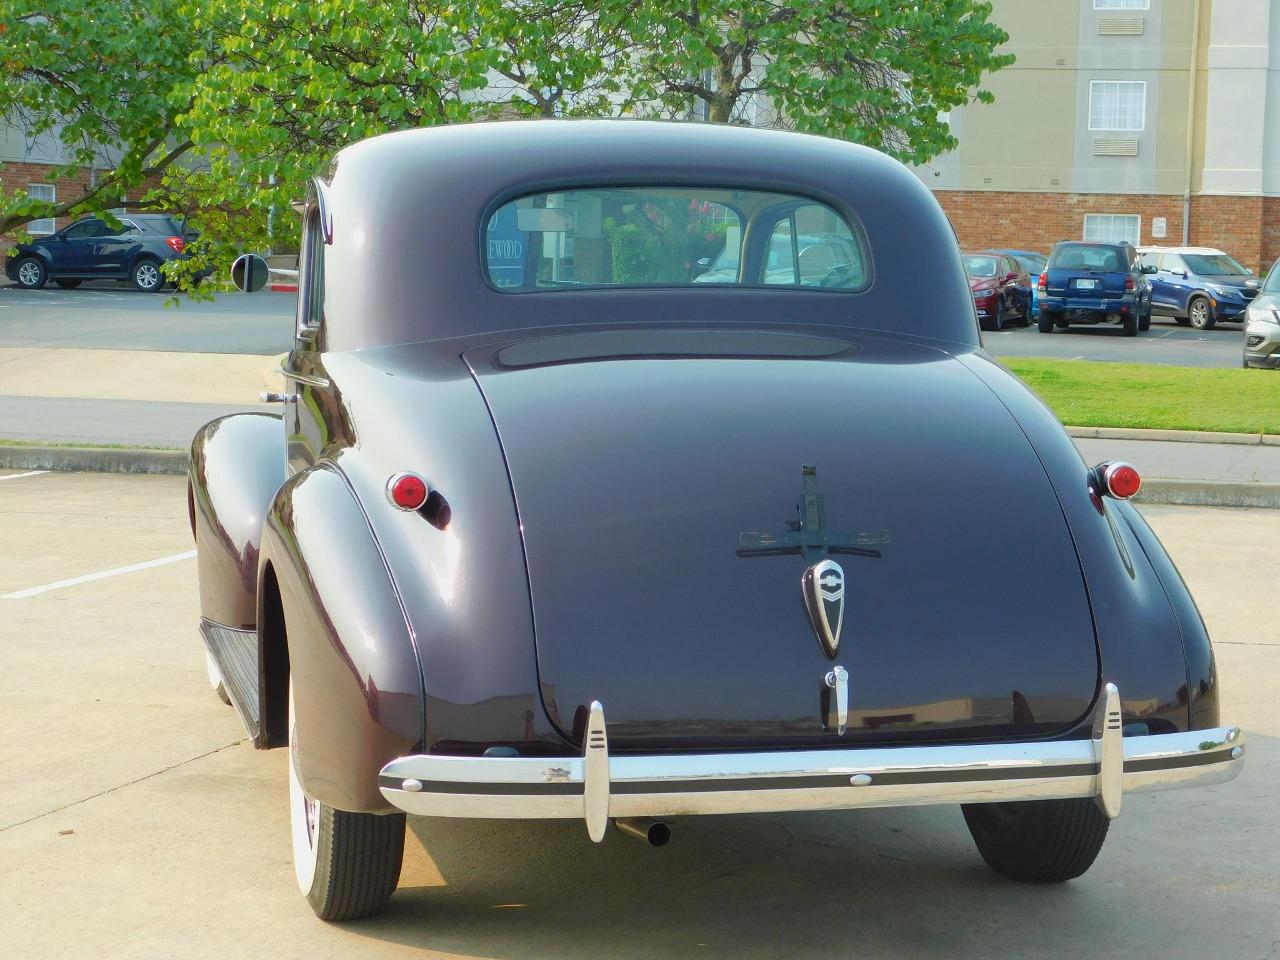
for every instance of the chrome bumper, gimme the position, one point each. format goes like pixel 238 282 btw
pixel 598 787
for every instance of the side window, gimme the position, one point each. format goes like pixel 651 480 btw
pixel 84 230
pixel 311 303
pixel 780 258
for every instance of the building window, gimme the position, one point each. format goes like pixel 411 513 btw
pixel 42 191
pixel 1112 227
pixel 1117 104
pixel 1121 4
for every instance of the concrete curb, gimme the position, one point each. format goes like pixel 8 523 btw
pixel 1180 436
pixel 1200 493
pixel 94 459
pixel 1209 493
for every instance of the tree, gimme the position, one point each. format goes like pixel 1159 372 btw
pixel 292 82
pixel 98 77
pixel 871 72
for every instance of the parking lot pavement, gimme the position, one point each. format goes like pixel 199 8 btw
pixel 113 316
pixel 105 315
pixel 1165 342
pixel 134 822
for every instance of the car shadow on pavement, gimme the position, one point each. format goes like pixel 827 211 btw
pixel 893 883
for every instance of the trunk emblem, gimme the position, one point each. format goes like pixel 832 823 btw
pixel 823 582
pixel 823 585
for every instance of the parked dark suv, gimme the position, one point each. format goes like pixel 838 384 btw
pixel 1086 282
pixel 91 249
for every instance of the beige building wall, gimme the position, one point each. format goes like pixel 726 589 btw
pixel 1203 162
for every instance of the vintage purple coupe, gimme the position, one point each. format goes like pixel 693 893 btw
pixel 615 480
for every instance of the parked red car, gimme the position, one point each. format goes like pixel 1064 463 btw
pixel 1001 288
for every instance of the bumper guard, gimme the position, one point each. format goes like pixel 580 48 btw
pixel 598 787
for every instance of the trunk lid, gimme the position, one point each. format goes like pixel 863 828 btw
pixel 641 473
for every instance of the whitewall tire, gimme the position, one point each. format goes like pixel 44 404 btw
pixel 347 864
pixel 215 678
pixel 304 816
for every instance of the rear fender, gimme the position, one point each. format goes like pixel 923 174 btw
pixel 340 630
pixel 1139 635
pixel 237 465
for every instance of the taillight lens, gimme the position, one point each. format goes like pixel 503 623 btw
pixel 407 491
pixel 177 243
pixel 1043 283
pixel 1129 284
pixel 1118 480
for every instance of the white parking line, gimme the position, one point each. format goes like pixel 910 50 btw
pixel 19 476
pixel 100 575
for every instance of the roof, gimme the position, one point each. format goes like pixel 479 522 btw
pixel 409 209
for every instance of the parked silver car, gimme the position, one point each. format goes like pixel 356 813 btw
pixel 1262 324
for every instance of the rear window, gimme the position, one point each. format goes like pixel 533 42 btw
pixel 1083 256
pixel 670 237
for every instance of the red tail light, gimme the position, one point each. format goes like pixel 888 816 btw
pixel 407 491
pixel 1118 479
pixel 1128 283
pixel 177 243
pixel 1043 283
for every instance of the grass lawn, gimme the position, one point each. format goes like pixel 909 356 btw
pixel 1091 394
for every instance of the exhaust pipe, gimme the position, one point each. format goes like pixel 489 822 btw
pixel 656 833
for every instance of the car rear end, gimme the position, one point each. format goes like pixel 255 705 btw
pixel 168 237
pixel 1091 281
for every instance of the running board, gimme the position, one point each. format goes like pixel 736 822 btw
pixel 236 653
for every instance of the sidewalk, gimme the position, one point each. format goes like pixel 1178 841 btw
pixel 139 399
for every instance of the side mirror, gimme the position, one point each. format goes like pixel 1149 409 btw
pixel 249 273
pixel 1150 268
pixel 1011 276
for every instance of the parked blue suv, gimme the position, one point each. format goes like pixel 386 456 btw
pixel 1199 286
pixel 91 249
pixel 1087 282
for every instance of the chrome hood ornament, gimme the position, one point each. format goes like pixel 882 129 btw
pixel 823 585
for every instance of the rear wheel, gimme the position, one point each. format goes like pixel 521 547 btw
pixel 1046 321
pixel 146 276
pixel 1200 314
pixel 68 284
pixel 1130 322
pixel 31 273
pixel 1038 841
pixel 1144 321
pixel 347 864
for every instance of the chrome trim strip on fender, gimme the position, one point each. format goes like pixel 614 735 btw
pixel 598 787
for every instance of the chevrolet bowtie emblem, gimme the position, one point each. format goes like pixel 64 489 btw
pixel 823 583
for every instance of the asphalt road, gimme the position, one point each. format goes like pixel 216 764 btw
pixel 135 821
pixel 113 316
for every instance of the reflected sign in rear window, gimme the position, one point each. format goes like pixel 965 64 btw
pixel 670 237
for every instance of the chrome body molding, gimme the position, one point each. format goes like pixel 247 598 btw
pixel 597 787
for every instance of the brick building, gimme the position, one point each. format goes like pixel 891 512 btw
pixel 1153 121
pixel 26 163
